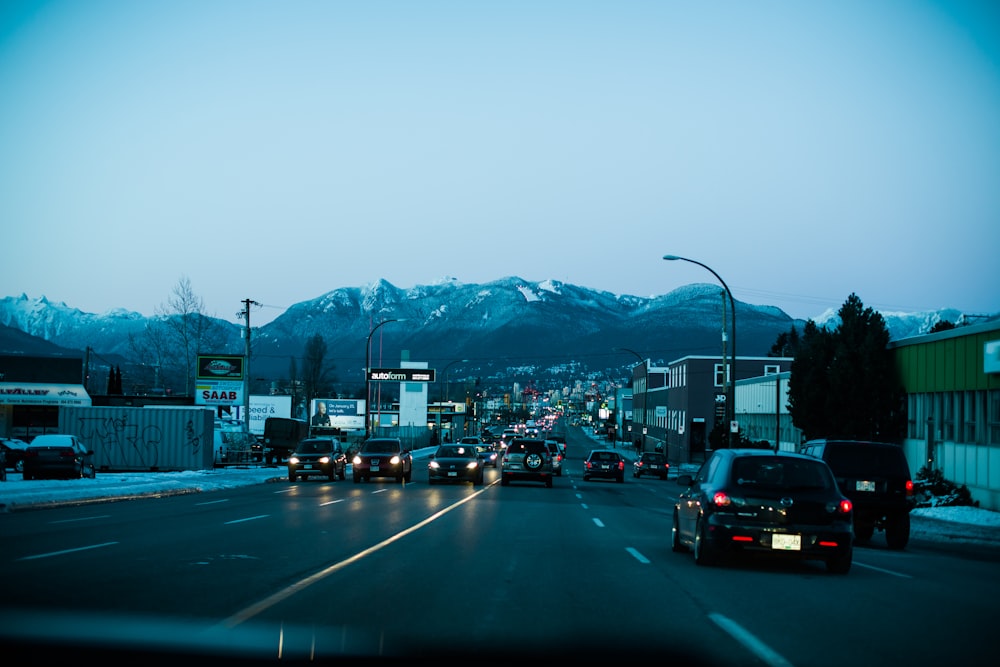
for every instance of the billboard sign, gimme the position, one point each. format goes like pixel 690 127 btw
pixel 347 414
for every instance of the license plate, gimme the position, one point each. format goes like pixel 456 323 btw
pixel 786 542
pixel 307 466
pixel 374 468
pixel 864 485
pixel 452 474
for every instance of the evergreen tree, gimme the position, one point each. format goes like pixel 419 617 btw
pixel 844 383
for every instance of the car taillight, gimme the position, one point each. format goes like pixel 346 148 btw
pixel 67 453
pixel 909 487
pixel 721 499
pixel 621 465
pixel 845 506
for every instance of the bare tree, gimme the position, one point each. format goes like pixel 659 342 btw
pixel 189 327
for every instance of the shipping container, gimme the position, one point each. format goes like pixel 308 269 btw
pixel 142 439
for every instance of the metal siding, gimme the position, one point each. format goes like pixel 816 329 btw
pixel 127 438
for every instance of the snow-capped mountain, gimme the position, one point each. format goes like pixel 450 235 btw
pixel 499 325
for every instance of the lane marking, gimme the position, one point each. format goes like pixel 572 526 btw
pixel 86 518
pixel 598 522
pixel 67 551
pixel 249 518
pixel 263 605
pixel 331 502
pixel 638 556
pixel 883 571
pixel 749 641
pixel 212 502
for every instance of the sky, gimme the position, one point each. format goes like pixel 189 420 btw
pixel 275 151
pixel 955 524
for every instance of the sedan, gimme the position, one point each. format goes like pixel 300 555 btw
pixel 382 457
pixel 13 450
pixel 757 501
pixel 318 456
pixel 455 463
pixel 604 464
pixel 651 463
pixel 57 455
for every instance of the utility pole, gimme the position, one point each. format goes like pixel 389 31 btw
pixel 245 313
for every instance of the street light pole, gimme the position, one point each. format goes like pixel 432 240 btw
pixel 368 364
pixel 442 397
pixel 730 381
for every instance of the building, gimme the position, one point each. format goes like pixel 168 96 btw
pixel 676 407
pixel 952 384
pixel 33 389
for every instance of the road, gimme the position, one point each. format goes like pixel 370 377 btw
pixel 380 569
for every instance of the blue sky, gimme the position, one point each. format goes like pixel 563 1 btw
pixel 279 150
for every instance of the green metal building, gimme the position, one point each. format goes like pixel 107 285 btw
pixel 952 382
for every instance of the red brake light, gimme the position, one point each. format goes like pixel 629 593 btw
pixel 845 506
pixel 909 487
pixel 721 499
pixel 621 465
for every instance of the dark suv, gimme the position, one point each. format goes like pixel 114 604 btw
pixel 876 477
pixel 526 459
pixel 318 456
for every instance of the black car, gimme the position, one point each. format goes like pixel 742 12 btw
pixel 13 450
pixel 604 464
pixel 527 459
pixel 58 455
pixel 876 477
pixel 651 463
pixel 456 463
pixel 382 457
pixel 318 457
pixel 758 501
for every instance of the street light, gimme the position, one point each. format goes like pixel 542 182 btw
pixel 442 396
pixel 368 362
pixel 730 382
pixel 450 364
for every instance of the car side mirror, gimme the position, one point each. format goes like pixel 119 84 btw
pixel 684 480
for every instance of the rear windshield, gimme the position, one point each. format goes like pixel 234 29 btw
pixel 860 459
pixel 604 456
pixel 654 458
pixel 778 473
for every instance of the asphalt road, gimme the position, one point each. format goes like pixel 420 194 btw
pixel 582 570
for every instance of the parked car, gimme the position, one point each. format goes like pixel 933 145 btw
pixel 526 459
pixel 651 463
pixel 758 501
pixel 13 450
pixel 58 455
pixel 456 463
pixel 604 464
pixel 876 477
pixel 382 457
pixel 318 456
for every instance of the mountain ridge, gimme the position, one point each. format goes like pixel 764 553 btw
pixel 507 323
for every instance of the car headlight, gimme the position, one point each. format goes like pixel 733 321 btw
pixel 324 459
pixel 434 465
pixel 356 460
pixel 472 465
pixel 394 460
pixel 294 460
